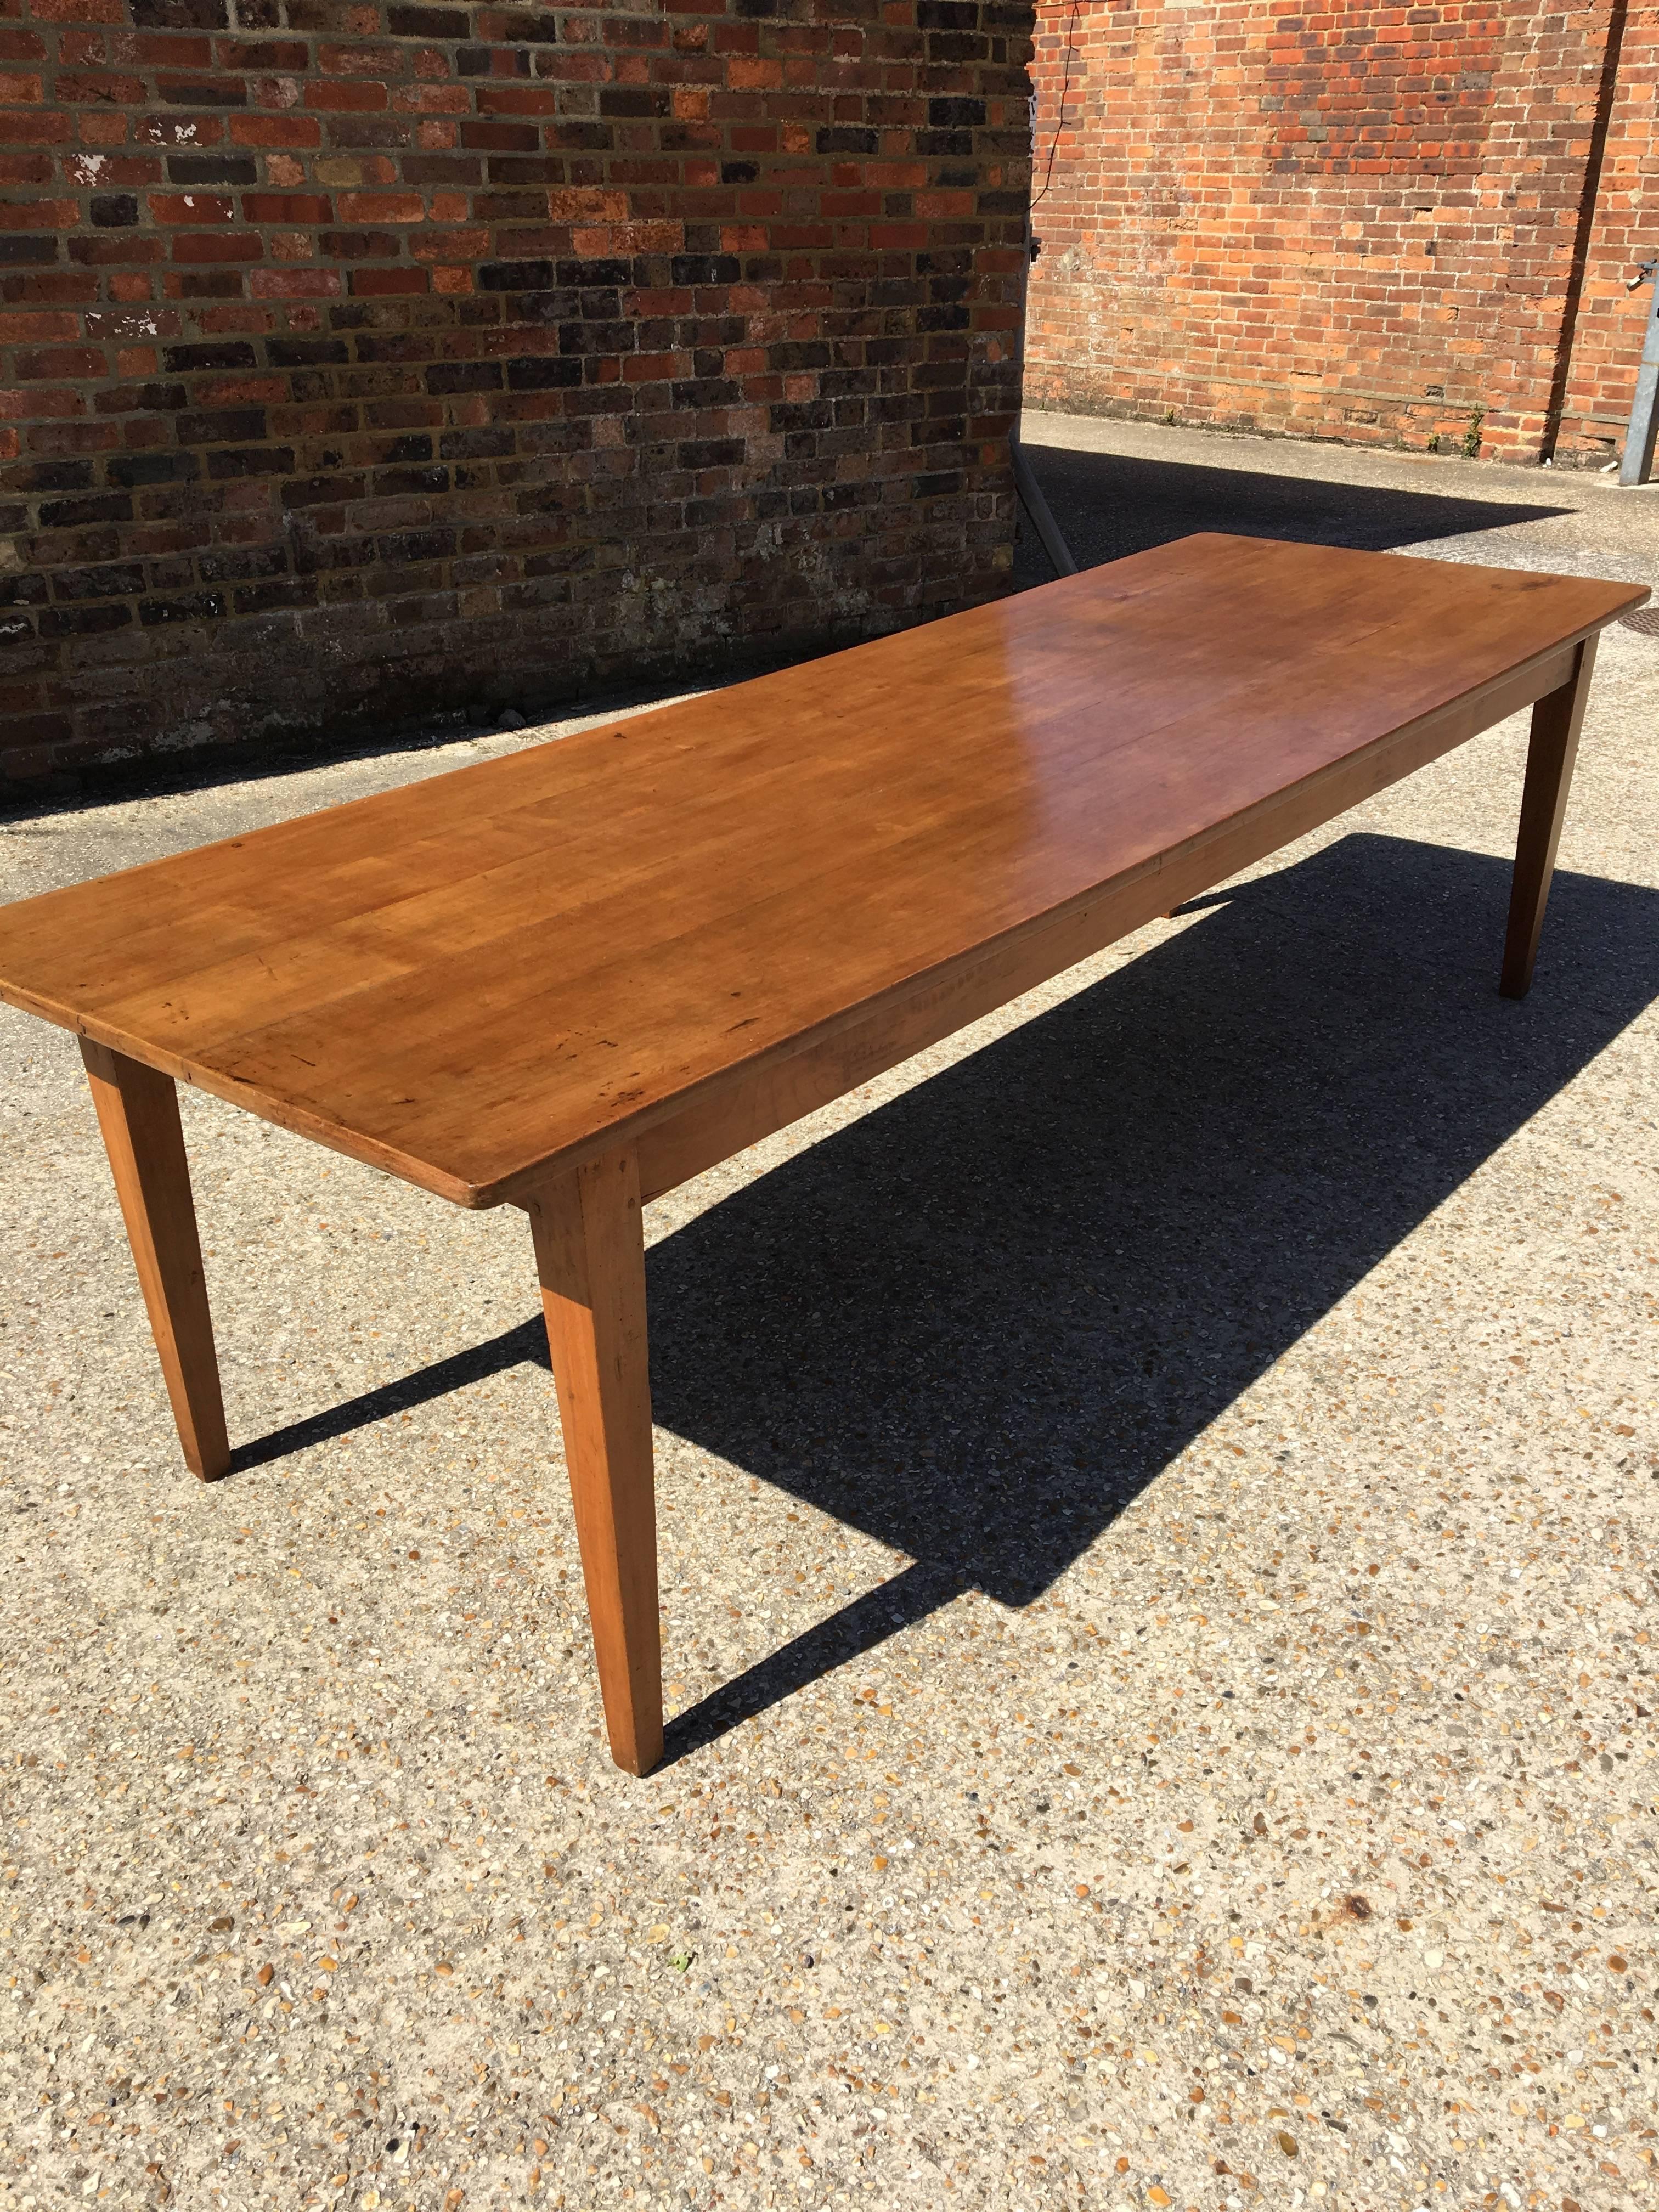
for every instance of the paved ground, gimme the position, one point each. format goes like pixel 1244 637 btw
pixel 1159 1509
pixel 1116 487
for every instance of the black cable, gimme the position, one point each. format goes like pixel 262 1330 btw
pixel 1065 86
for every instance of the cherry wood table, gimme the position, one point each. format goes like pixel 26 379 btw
pixel 570 979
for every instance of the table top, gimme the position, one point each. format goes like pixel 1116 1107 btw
pixel 471 977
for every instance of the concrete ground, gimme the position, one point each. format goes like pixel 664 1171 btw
pixel 1160 1504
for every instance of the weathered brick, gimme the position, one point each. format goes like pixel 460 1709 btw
pixel 204 91
pixel 198 606
pixel 218 425
pixel 212 169
pixel 429 22
pixel 134 469
pixel 95 506
pixel 322 491
pixel 112 583
pixel 250 461
pixel 391 328
pixel 82 621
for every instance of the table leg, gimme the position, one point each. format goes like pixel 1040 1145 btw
pixel 138 1113
pixel 1556 722
pixel 590 1254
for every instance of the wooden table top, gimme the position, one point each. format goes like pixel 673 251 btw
pixel 473 976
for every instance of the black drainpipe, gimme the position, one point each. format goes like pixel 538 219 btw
pixel 1030 490
pixel 1598 147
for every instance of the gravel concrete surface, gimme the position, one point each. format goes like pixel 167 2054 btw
pixel 1158 1507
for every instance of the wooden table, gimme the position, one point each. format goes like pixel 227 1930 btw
pixel 570 979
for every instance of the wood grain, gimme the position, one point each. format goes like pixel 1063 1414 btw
pixel 726 1117
pixel 590 1254
pixel 477 981
pixel 138 1113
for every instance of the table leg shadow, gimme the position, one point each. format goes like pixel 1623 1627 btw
pixel 979 1322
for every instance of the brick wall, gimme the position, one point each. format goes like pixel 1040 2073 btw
pixel 1368 223
pixel 363 359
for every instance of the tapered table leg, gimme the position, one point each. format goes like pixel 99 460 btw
pixel 590 1254
pixel 1556 722
pixel 138 1113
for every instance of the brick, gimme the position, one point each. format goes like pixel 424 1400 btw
pixel 23 328
pixel 108 251
pixel 218 568
pixel 158 468
pixel 441 23
pixel 217 246
pixel 345 98
pixel 51 476
pixel 82 621
pixel 258 599
pixel 57 363
pixel 294 283
pixel 295 208
pixel 169 209
pixel 95 507
pixel 204 91
pixel 382 207
pixel 320 491
pixel 188 359
pixel 212 169
pixel 250 461
pixel 463 376
pixel 306 353
pixel 37 215
pixel 180 14
pixel 385 283
pixel 218 425
pixel 543 372
pixel 111 583
pixel 198 606
pixel 295 131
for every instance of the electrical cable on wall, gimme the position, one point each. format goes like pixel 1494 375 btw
pixel 1064 87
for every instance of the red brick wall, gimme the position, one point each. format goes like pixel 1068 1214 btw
pixel 363 358
pixel 1612 320
pixel 1360 224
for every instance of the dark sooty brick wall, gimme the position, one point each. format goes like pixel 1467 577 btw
pixel 363 360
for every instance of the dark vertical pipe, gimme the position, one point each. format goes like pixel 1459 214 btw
pixel 1581 242
pixel 1030 491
